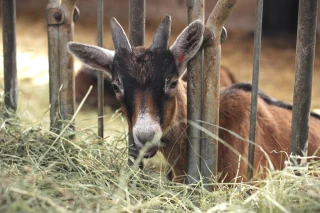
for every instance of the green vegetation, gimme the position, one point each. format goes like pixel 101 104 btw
pixel 45 172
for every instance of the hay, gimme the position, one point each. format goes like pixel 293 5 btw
pixel 40 173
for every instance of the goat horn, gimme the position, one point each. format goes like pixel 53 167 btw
pixel 119 37
pixel 161 37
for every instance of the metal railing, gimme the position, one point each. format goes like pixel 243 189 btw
pixel 137 17
pixel 60 20
pixel 211 87
pixel 305 47
pixel 203 95
pixel 100 74
pixel 255 86
pixel 9 53
pixel 194 98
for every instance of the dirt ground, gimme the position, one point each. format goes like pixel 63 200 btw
pixel 276 68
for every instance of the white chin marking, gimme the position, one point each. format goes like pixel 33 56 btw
pixel 145 125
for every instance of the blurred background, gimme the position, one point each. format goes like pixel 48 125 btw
pixel 277 51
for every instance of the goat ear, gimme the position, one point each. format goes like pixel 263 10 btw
pixel 92 56
pixel 187 44
pixel 119 38
pixel 161 37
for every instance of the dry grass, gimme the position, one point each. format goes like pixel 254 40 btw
pixel 45 172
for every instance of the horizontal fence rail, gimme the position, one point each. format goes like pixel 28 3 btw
pixel 9 53
pixel 305 47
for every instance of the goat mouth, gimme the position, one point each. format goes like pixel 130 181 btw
pixel 150 152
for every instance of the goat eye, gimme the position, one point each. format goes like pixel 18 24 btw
pixel 174 84
pixel 115 88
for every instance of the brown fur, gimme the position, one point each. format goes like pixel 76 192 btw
pixel 226 77
pixel 175 150
pixel 86 77
pixel 138 105
pixel 272 135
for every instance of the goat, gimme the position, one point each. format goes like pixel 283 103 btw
pixel 147 83
pixel 86 77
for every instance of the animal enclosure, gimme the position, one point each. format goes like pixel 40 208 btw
pixel 198 109
pixel 70 99
pixel 93 176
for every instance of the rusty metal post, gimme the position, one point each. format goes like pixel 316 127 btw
pixel 255 86
pixel 53 16
pixel 211 87
pixel 137 16
pixel 9 53
pixel 305 47
pixel 195 71
pixel 66 31
pixel 100 74
pixel 60 32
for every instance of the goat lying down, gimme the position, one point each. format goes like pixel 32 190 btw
pixel 152 95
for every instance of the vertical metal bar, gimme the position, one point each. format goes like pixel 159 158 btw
pixel 100 74
pixel 255 86
pixel 9 53
pixel 137 16
pixel 66 31
pixel 60 32
pixel 53 54
pixel 195 71
pixel 305 47
pixel 211 87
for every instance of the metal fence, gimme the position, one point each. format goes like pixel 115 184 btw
pixel 9 53
pixel 203 73
pixel 60 17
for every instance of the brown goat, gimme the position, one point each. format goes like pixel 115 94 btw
pixel 148 85
pixel 87 77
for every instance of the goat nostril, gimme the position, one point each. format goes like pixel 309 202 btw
pixel 145 137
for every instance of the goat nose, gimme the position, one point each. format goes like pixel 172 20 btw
pixel 145 137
